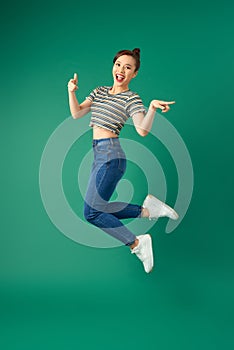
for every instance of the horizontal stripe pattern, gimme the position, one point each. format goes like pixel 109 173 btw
pixel 112 111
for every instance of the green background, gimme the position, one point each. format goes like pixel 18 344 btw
pixel 57 294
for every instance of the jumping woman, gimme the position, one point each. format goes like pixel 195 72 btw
pixel 110 107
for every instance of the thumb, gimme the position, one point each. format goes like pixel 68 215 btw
pixel 76 78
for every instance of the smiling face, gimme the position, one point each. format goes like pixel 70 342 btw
pixel 124 71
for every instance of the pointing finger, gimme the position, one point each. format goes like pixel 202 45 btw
pixel 171 102
pixel 75 77
pixel 168 103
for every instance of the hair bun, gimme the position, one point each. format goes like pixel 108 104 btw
pixel 136 51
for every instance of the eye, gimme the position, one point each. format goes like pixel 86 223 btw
pixel 128 67
pixel 117 64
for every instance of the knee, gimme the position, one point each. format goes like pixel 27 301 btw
pixel 89 213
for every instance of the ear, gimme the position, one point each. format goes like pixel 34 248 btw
pixel 135 74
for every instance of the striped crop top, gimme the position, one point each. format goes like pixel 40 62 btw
pixel 112 111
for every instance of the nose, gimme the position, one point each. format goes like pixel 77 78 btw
pixel 121 69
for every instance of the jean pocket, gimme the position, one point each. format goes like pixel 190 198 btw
pixel 102 148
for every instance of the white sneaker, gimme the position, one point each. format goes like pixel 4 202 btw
pixel 157 209
pixel 144 252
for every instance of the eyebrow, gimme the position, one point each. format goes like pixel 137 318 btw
pixel 125 64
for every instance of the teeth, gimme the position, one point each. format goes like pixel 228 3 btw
pixel 119 77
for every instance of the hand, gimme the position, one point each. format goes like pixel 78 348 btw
pixel 72 84
pixel 163 105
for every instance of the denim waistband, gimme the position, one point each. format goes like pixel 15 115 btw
pixel 109 140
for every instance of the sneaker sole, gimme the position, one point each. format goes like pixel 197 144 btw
pixel 151 253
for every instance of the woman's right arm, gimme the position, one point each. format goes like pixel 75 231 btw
pixel 77 110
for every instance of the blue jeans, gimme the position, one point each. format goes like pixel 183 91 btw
pixel 108 167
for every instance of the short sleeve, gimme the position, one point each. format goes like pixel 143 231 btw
pixel 92 94
pixel 135 105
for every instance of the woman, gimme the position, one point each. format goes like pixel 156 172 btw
pixel 110 108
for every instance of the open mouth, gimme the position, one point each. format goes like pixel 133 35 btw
pixel 119 77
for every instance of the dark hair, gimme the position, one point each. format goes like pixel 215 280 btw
pixel 135 53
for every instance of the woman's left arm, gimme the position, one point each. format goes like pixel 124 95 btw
pixel 143 124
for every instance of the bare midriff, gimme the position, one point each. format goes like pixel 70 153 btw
pixel 101 133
